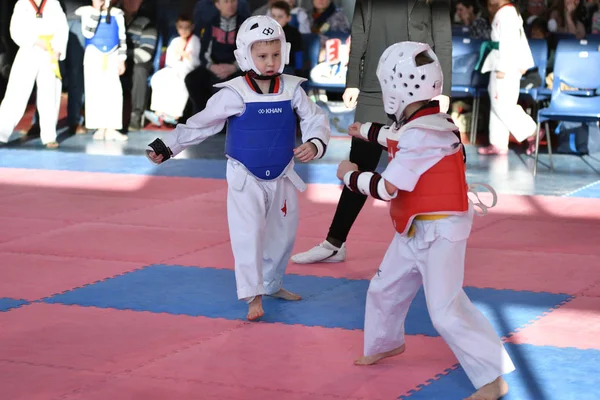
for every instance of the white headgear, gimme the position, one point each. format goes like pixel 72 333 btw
pixel 402 81
pixel 257 29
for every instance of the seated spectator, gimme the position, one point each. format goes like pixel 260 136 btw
pixel 532 9
pixel 205 12
pixel 567 16
pixel 169 94
pixel 142 38
pixel 479 28
pixel 326 17
pixel 299 17
pixel 265 9
pixel 217 60
pixel 281 12
pixel 595 21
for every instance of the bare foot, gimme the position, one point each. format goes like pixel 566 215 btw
pixel 285 295
pixel 255 310
pixel 368 360
pixel 491 391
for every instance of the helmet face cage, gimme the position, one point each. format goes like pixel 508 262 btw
pixel 403 81
pixel 257 29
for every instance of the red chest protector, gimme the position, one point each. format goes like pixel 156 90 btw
pixel 441 190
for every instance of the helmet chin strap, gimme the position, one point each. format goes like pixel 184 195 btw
pixel 256 76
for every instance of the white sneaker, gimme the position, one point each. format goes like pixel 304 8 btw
pixel 99 134
pixel 112 134
pixel 324 252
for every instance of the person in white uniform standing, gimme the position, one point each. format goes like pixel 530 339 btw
pixel 510 57
pixel 40 29
pixel 103 27
pixel 426 186
pixel 261 109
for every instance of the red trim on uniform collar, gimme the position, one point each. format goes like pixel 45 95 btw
pixel 431 108
pixel 504 5
pixel 39 11
pixel 274 87
pixel 277 84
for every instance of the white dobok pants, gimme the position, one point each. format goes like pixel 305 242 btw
pixel 103 90
pixel 263 220
pixel 434 257
pixel 506 116
pixel 169 93
pixel 32 65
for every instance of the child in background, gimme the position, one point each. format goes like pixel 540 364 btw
pixel 280 12
pixel 169 93
pixel 426 185
pixel 103 26
pixel 261 109
pixel 299 18
pixel 40 29
pixel 510 58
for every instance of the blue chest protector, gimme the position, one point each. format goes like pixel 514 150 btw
pixel 106 37
pixel 263 138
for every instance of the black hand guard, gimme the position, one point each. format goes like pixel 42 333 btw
pixel 161 148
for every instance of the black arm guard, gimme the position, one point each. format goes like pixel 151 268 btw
pixel 161 148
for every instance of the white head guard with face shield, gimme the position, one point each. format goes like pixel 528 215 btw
pixel 259 28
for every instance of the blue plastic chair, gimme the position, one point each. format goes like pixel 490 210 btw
pixel 461 31
pixel 539 51
pixel 579 70
pixel 568 44
pixel 466 82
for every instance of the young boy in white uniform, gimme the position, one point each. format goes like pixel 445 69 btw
pixel 260 109
pixel 426 186
pixel 40 29
pixel 103 26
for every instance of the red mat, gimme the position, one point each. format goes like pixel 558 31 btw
pixel 537 271
pixel 18 227
pixel 70 208
pixel 100 340
pixel 32 277
pixel 576 324
pixel 127 387
pixel 363 259
pixel 113 185
pixel 24 381
pixel 303 360
pixel 116 242
pixel 66 229
pixel 558 236
pixel 195 213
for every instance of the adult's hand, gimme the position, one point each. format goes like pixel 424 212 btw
pixel 350 96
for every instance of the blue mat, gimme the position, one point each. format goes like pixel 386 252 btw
pixel 591 191
pixel 8 303
pixel 327 302
pixel 542 373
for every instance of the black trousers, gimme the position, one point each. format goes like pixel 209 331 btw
pixel 139 88
pixel 366 155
